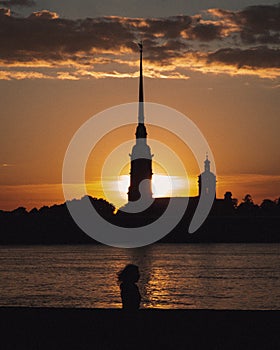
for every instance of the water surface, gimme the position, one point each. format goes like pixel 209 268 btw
pixel 204 276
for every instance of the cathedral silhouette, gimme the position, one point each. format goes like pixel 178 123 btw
pixel 141 159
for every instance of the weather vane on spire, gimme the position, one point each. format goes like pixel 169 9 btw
pixel 140 44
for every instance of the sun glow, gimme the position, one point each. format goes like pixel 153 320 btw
pixel 162 186
pixel 115 188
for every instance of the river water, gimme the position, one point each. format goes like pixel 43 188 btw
pixel 188 276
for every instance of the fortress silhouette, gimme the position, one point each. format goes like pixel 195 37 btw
pixel 141 157
pixel 141 172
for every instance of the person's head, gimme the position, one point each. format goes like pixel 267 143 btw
pixel 130 274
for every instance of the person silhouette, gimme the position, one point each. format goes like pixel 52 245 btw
pixel 130 294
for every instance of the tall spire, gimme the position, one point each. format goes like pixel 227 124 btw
pixel 141 132
pixel 141 158
pixel 141 93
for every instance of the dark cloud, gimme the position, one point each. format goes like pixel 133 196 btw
pixel 255 24
pixel 4 12
pixel 44 36
pixel 171 27
pixel 47 40
pixel 257 57
pixel 206 32
pixel 178 26
pixel 260 19
pixel 250 38
pixel 23 3
pixel 260 24
pixel 164 53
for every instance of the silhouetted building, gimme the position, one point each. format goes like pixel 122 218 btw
pixel 140 157
pixel 207 180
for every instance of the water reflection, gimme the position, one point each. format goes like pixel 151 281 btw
pixel 231 276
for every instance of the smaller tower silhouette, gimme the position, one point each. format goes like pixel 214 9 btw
pixel 207 180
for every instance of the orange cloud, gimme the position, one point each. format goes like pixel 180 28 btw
pixel 20 75
pixel 44 14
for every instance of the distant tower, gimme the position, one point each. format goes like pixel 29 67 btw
pixel 140 157
pixel 207 180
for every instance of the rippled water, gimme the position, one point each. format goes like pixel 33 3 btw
pixel 213 276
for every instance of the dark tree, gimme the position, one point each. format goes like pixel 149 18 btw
pixel 247 206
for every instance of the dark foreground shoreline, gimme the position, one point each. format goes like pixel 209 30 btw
pixel 59 328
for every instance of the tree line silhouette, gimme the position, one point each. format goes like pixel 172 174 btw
pixel 228 221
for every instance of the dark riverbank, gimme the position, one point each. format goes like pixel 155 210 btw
pixel 247 223
pixel 52 328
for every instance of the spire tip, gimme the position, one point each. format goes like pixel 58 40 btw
pixel 140 45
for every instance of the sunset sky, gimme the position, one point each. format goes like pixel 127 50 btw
pixel 62 62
